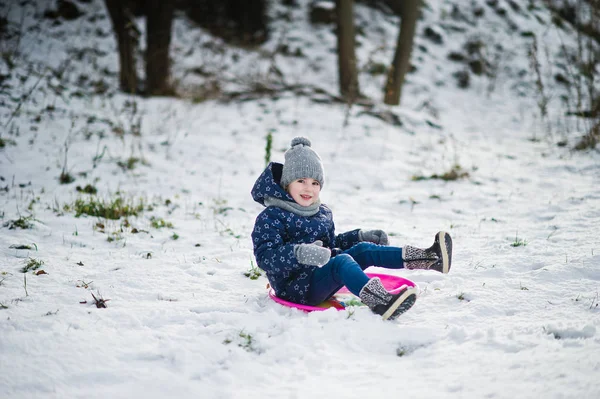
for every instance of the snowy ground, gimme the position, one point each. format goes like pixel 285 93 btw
pixel 183 320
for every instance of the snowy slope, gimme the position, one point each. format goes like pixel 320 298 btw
pixel 182 319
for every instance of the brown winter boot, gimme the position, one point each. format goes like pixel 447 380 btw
pixel 381 302
pixel 438 257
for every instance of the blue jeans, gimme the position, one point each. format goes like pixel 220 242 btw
pixel 348 268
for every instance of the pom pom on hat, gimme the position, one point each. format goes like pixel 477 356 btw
pixel 300 140
pixel 301 161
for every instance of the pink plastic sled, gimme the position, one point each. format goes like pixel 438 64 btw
pixel 391 283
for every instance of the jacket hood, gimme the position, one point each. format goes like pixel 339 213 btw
pixel 267 185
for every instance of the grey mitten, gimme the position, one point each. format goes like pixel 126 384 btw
pixel 374 236
pixel 312 254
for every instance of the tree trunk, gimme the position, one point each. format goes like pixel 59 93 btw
pixel 127 41
pixel 348 75
pixel 159 19
pixel 401 62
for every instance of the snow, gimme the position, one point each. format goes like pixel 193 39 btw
pixel 182 319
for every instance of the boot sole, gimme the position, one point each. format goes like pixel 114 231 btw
pixel 402 299
pixel 442 235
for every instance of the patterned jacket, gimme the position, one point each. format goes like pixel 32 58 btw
pixel 277 231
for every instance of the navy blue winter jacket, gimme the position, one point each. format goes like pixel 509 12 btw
pixel 277 231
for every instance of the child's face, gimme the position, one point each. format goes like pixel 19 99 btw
pixel 305 191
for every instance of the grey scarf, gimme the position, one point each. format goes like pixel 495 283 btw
pixel 293 206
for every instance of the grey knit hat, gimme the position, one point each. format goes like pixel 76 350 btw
pixel 301 161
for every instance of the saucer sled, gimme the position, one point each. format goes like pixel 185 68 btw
pixel 343 297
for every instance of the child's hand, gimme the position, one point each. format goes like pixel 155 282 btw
pixel 312 254
pixel 374 236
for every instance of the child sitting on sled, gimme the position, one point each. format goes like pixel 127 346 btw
pixel 306 262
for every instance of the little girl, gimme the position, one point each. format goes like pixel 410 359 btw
pixel 306 262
